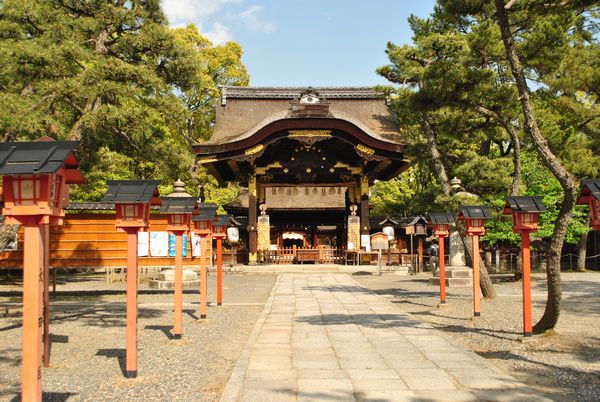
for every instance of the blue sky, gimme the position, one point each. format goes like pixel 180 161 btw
pixel 304 42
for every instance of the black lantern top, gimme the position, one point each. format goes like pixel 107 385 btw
pixel 132 192
pixel 477 212
pixel 177 205
pixel 524 204
pixel 590 188
pixel 441 218
pixel 207 212
pixel 223 220
pixel 40 157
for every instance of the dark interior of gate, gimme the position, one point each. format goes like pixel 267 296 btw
pixel 306 158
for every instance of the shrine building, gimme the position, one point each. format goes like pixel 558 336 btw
pixel 307 157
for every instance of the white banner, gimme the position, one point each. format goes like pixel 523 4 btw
pixel 143 244
pixel 159 244
pixel 196 250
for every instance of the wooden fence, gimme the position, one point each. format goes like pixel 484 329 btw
pixel 92 241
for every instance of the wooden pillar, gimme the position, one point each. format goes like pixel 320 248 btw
pixel 476 288
pixel 203 275
pixel 219 271
pixel 364 204
pixel 252 221
pixel 178 310
pixel 420 262
pixel 442 266
pixel 131 365
pixel 31 365
pixel 525 242
pixel 46 286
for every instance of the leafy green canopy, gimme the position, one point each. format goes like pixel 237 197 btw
pixel 456 75
pixel 115 77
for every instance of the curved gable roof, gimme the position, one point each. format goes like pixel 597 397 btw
pixel 243 111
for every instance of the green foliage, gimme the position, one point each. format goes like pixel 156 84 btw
pixel 114 76
pixel 457 72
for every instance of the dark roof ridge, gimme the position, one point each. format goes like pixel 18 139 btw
pixel 270 92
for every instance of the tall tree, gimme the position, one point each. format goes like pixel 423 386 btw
pixel 537 36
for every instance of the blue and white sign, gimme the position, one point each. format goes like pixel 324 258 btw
pixel 172 245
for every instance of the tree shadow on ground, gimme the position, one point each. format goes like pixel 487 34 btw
pixel 119 354
pixel 105 316
pixel 46 396
pixel 366 320
pixel 10 357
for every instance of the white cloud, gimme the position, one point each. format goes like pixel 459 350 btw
pixel 219 35
pixel 252 21
pixel 181 12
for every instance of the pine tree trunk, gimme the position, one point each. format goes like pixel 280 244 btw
pixel 581 260
pixel 436 156
pixel 566 180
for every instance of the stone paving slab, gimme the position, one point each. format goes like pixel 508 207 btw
pixel 324 337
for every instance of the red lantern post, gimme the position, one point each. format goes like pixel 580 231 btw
pixel 132 199
pixel 35 178
pixel 475 218
pixel 525 211
pixel 202 227
pixel 441 228
pixel 179 214
pixel 219 233
pixel 590 195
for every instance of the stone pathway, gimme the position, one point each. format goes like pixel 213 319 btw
pixel 324 337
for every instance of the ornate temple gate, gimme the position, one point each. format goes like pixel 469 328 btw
pixel 308 157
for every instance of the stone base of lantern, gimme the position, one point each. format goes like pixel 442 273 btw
pixel 166 280
pixel 455 277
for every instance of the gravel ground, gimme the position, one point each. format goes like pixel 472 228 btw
pixel 565 365
pixel 88 333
